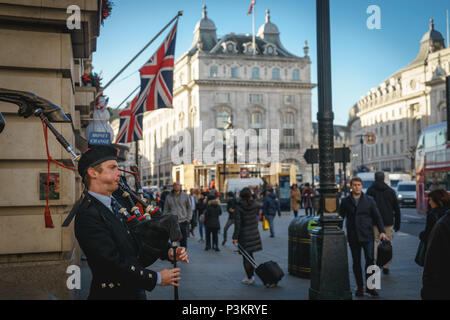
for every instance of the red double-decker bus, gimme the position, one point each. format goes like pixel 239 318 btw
pixel 432 164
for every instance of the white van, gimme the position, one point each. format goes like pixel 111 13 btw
pixel 368 178
pixel 237 184
pixel 396 178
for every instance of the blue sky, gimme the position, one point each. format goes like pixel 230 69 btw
pixel 361 58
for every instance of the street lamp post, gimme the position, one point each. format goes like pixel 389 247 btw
pixel 329 265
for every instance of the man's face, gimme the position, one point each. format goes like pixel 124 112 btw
pixel 356 187
pixel 106 181
pixel 176 187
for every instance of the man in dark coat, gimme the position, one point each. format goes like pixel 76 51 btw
pixel 270 209
pixel 212 224
pixel 436 276
pixel 231 205
pixel 361 215
pixel 246 231
pixel 387 204
pixel 110 248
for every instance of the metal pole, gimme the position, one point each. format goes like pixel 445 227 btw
pixel 447 85
pixel 362 152
pixel 329 265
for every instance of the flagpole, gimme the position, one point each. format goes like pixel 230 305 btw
pixel 180 13
pixel 448 33
pixel 127 98
pixel 253 27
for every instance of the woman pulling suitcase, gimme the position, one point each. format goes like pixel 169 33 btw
pixel 246 232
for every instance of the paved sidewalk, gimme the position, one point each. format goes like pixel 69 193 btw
pixel 217 275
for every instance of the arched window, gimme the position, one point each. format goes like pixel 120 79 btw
pixel 255 73
pixel 275 74
pixel 296 75
pixel 235 72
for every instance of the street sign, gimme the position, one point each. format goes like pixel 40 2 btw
pixel 244 173
pixel 99 138
pixel 340 155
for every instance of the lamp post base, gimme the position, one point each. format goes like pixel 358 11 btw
pixel 329 262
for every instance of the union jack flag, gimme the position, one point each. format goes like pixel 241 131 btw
pixel 156 90
pixel 157 76
pixel 131 120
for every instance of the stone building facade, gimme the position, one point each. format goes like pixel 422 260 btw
pixel 398 110
pixel 221 80
pixel 40 54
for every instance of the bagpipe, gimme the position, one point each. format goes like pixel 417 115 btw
pixel 154 231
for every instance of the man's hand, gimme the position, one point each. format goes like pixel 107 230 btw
pixel 169 277
pixel 181 254
pixel 235 241
pixel 383 236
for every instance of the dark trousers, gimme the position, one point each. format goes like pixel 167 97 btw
pixel 355 248
pixel 184 228
pixel 225 229
pixel 215 237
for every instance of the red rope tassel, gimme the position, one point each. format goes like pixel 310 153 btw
pixel 47 215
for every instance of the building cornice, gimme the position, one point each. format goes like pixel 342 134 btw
pixel 254 84
pixel 391 102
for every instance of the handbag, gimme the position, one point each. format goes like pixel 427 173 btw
pixel 265 224
pixel 420 255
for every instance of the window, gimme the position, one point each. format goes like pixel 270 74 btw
pixel 255 73
pixel 235 72
pixel 401 146
pixel 387 130
pixel 401 127
pixel 256 98
pixel 256 121
pixel 394 147
pixel 289 130
pixel 381 131
pixel 288 100
pixel 382 149
pixel 388 145
pixel 214 72
pixel 222 119
pixel 393 128
pixel 276 74
pixel 296 75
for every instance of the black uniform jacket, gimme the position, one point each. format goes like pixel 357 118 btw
pixel 361 219
pixel 112 253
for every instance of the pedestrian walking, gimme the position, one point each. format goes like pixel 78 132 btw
pixel 296 199
pixel 436 276
pixel 270 209
pixel 308 197
pixel 179 204
pixel 361 214
pixel 231 206
pixel 111 251
pixel 212 224
pixel 439 201
pixel 193 199
pixel 201 206
pixel 387 204
pixel 246 231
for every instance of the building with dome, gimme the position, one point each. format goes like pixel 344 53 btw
pixel 229 81
pixel 397 111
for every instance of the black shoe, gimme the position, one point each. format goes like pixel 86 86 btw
pixel 385 270
pixel 372 292
pixel 272 236
pixel 217 249
pixel 207 248
pixel 223 242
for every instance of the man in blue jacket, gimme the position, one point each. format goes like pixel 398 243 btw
pixel 361 215
pixel 270 208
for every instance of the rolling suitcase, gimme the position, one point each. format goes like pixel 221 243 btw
pixel 269 272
